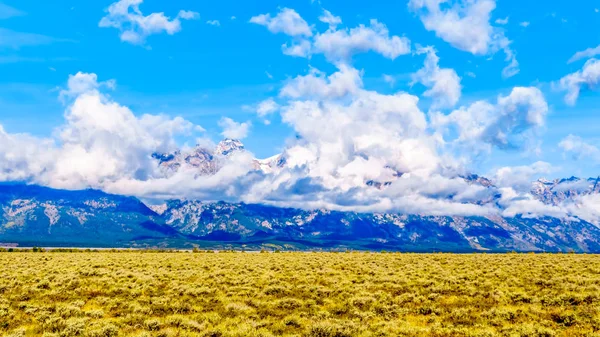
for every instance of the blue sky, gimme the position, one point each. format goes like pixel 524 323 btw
pixel 205 72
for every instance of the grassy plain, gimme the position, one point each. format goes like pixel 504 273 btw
pixel 298 294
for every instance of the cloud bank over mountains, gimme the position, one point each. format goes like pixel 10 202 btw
pixel 355 148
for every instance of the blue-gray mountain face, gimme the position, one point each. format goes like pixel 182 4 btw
pixel 39 216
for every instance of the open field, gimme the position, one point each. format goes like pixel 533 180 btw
pixel 298 294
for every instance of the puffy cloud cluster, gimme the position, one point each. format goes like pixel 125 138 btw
pixel 506 124
pixel 316 84
pixel 330 19
pixel 100 142
pixel 233 129
pixel 586 78
pixel 519 178
pixel 465 24
pixel 135 27
pixel 287 21
pixel 23 157
pixel 444 84
pixel 361 150
pixel 580 149
pixel 338 45
pixel 355 149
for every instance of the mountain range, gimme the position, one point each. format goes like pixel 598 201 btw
pixel 32 215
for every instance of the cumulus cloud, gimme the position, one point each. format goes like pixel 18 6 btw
pixel 579 148
pixel 349 137
pixel 444 84
pixel 99 143
pixel 520 177
pixel 316 84
pixel 342 44
pixel 301 48
pixel 23 157
pixel 505 124
pixel 233 129
pixel 135 27
pixel 465 24
pixel 287 21
pixel 338 45
pixel 267 107
pixel 82 83
pixel 216 23
pixel 586 78
pixel 330 19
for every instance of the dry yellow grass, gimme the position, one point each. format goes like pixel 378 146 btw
pixel 298 294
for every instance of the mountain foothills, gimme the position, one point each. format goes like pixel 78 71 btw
pixel 33 215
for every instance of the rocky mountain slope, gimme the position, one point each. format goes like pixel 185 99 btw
pixel 206 161
pixel 33 215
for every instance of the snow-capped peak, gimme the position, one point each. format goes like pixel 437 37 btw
pixel 228 146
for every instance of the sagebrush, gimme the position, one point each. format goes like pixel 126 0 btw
pixel 298 294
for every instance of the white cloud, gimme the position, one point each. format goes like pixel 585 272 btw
pixel 513 65
pixel 100 142
pixel 330 19
pixel 465 24
pixel 24 157
pixel 347 81
pixel 82 83
pixel 287 21
pixel 301 48
pixel 525 24
pixel 520 178
pixel 341 45
pixel 507 124
pixel 586 207
pixel 585 54
pixel 586 78
pixel 267 107
pixel 216 23
pixel 444 84
pixel 580 149
pixel 338 45
pixel 135 27
pixel 502 21
pixel 233 129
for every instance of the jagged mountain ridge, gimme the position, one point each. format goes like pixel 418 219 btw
pixel 553 192
pixel 33 215
pixel 206 161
